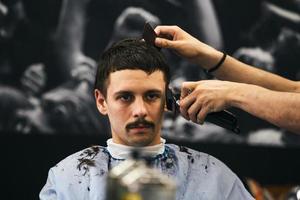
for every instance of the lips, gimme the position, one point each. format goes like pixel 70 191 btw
pixel 140 127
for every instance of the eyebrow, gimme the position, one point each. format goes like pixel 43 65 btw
pixel 154 91
pixel 130 92
pixel 122 92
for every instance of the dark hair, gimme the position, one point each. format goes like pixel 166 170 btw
pixel 130 54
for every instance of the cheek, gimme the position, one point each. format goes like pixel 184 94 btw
pixel 158 112
pixel 117 114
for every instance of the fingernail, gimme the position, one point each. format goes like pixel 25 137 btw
pixel 199 121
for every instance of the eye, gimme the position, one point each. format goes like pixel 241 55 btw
pixel 125 97
pixel 152 96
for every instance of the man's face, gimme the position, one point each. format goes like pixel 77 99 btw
pixel 134 104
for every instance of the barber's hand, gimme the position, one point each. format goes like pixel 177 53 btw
pixel 185 45
pixel 202 97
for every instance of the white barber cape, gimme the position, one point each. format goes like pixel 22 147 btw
pixel 199 176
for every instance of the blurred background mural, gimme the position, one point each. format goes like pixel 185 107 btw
pixel 49 50
pixel 48 56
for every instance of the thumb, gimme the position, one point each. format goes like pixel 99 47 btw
pixel 164 43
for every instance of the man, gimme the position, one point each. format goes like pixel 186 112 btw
pixel 130 89
pixel 260 93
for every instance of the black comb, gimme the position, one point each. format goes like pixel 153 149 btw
pixel 149 35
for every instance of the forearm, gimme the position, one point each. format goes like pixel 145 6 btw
pixel 207 57
pixel 279 108
pixel 234 70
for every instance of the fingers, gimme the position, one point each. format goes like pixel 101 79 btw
pixel 164 43
pixel 191 106
pixel 187 98
pixel 202 115
pixel 193 111
pixel 187 88
pixel 185 104
pixel 166 30
pixel 166 36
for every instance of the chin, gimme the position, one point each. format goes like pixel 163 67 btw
pixel 140 141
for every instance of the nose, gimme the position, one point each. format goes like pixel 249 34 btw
pixel 139 108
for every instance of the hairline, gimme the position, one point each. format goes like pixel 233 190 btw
pixel 107 80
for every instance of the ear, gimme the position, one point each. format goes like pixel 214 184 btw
pixel 167 105
pixel 166 108
pixel 100 102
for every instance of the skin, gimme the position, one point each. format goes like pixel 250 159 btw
pixel 134 95
pixel 260 93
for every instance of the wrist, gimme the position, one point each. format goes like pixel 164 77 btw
pixel 243 95
pixel 210 58
pixel 238 95
pixel 218 65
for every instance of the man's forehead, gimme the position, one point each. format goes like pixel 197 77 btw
pixel 129 75
pixel 136 79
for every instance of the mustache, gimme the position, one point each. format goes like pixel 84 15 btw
pixel 140 122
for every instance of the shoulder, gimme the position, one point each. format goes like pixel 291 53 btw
pixel 192 155
pixel 74 175
pixel 81 162
pixel 202 169
pixel 200 162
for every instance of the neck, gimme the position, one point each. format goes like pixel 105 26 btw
pixel 120 151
